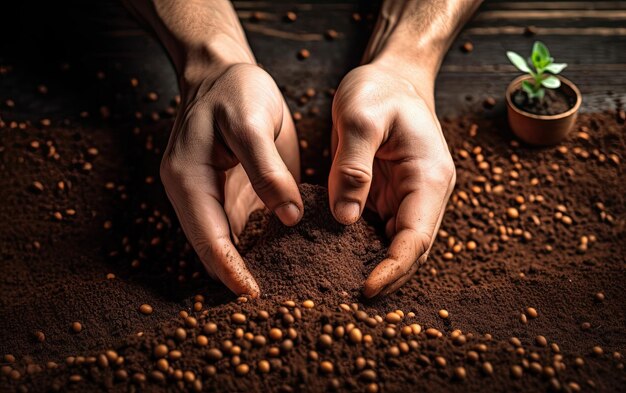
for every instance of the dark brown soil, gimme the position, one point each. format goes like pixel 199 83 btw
pixel 301 261
pixel 486 268
pixel 554 102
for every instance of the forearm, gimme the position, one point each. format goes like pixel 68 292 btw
pixel 416 34
pixel 200 36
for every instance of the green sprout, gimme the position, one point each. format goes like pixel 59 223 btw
pixel 543 64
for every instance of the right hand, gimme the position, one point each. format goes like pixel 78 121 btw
pixel 233 148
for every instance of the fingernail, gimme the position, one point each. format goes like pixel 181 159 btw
pixel 289 214
pixel 347 212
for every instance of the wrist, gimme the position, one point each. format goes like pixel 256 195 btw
pixel 207 61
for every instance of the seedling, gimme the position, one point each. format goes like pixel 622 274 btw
pixel 541 67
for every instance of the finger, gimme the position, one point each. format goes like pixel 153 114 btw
pixel 252 141
pixel 287 144
pixel 417 221
pixel 350 176
pixel 194 194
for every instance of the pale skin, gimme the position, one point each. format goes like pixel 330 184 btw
pixel 233 148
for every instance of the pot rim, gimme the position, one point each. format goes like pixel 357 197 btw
pixel 518 81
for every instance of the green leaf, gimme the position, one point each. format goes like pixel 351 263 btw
pixel 518 61
pixel 551 82
pixel 529 88
pixel 556 68
pixel 541 51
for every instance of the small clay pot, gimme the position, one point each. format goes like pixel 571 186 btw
pixel 542 129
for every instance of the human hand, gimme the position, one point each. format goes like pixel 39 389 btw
pixel 391 157
pixel 233 148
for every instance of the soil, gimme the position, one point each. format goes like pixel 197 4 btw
pixel 117 245
pixel 554 102
pixel 301 261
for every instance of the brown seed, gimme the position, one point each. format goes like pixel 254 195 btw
pixel 393 317
pixel 433 333
pixel 304 54
pixel 371 388
pixel 308 304
pixel 460 373
pixel 541 341
pixel 517 371
pixel 467 47
pixel 175 354
pixel 355 335
pixel 145 309
pixel 599 296
pixel 532 313
pixel 40 336
pixel 152 96
pixel 160 351
pixel 202 341
pixel 276 334
pixel 444 314
pixel 291 16
pixel 238 318
pixel 189 376
pixel 37 186
pixel 326 367
pixel 487 368
pixel 368 375
pixel 597 350
pixel 331 34
pixel 440 361
pixel 180 334
pixel 242 369
pixel 325 341
pixel 512 213
pixel 214 354
pixel 163 364
pixel 191 322
pixel 209 328
pixel 77 327
pixel 263 366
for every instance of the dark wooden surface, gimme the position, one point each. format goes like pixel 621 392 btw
pixel 40 39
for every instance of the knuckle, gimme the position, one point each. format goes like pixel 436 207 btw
pixel 355 175
pixel 170 170
pixel 442 173
pixel 266 182
pixel 364 121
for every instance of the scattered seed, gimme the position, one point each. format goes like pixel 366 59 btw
pixel 487 368
pixel 291 16
pixel 517 371
pixel 308 304
pixel 145 309
pixel 326 367
pixel 214 354
pixel 444 314
pixel 355 335
pixel 77 327
pixel 599 296
pixel 467 47
pixel 202 341
pixel 304 54
pixel 532 313
pixel 541 341
pixel 460 373
pixel 238 318
pixel 160 351
pixel 40 336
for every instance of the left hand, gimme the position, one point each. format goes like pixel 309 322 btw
pixel 390 156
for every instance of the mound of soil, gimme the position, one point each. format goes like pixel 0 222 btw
pixel 317 259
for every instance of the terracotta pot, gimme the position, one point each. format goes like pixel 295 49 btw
pixel 542 129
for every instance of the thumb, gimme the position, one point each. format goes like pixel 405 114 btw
pixel 351 175
pixel 253 144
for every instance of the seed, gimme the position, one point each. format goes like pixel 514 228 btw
pixel 145 309
pixel 202 341
pixel 541 341
pixel 189 376
pixel 393 317
pixel 460 373
pixel 433 333
pixel 308 304
pixel 214 354
pixel 523 319
pixel 487 368
pixel 444 314
pixel 355 335
pixel 326 367
pixel 512 212
pixel 371 388
pixel 331 34
pixel 440 361
pixel 417 329
pixel 180 334
pixel 40 336
pixel 37 186
pixel 532 313
pixel 263 366
pixel 160 351
pixel 210 328
pixel 152 96
pixel 238 318
pixel 304 54
pixel 276 334
pixel 259 340
pixel 467 47
pixel 599 296
pixel 517 371
pixel 77 327
pixel 368 375
pixel 163 364
pixel 389 332
pixel 175 354
pixel 242 369
pixel 597 350
pixel 291 16
pixel 325 341
pixel 585 326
